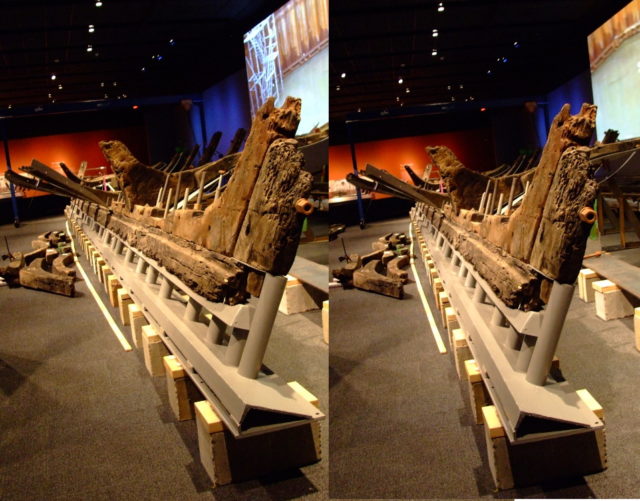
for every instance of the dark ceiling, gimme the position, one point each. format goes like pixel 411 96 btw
pixel 486 50
pixel 184 46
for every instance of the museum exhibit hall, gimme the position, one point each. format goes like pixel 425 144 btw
pixel 164 228
pixel 286 249
pixel 484 250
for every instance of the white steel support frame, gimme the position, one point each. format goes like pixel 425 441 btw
pixel 513 349
pixel 196 330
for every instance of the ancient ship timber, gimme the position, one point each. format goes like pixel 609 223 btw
pixel 508 250
pixel 193 260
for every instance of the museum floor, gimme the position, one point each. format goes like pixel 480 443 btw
pixel 82 419
pixel 401 422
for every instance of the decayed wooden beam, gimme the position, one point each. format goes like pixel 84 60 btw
pixel 566 221
pixel 566 130
pixel 236 142
pixel 210 149
pixel 371 278
pixel 222 220
pixel 36 276
pixel 270 233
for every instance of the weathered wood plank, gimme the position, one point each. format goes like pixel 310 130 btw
pixel 223 220
pixel 270 233
pixel 371 278
pixel 562 235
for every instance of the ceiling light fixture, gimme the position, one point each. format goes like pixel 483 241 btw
pixel 101 84
pixel 172 42
pixel 398 98
pixel 338 88
pixel 483 109
pixel 53 76
pixel 135 106
pixel 59 86
pixel 407 90
pixel 89 48
pixel 343 75
pixel 98 3
pixel 516 44
pixel 91 28
pixel 10 106
pixel 144 68
pixel 440 7
pixel 434 52
pixel 400 80
pixel 434 33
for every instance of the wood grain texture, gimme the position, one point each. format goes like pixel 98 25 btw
pixel 562 237
pixel 223 220
pixel 270 232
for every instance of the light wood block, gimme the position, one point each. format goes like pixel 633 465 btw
pixel 94 258
pixel 100 263
pixel 137 320
pixel 586 277
pixel 437 287
pixel 497 450
pixel 113 286
pixel 451 323
pixel 445 303
pixel 154 350
pixel 611 303
pixel 124 300
pixel 106 271
pixel 303 392
pixel 591 402
pixel 181 391
pixel 296 298
pixel 212 444
pixel 461 352
pixel 325 321
pixel 478 394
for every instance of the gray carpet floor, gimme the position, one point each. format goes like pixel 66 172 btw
pixel 401 423
pixel 81 419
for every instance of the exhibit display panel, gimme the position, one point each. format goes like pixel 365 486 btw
pixel 614 55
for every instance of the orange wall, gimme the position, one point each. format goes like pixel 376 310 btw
pixel 474 148
pixel 71 149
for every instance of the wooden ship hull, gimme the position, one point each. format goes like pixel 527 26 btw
pixel 192 247
pixel 508 249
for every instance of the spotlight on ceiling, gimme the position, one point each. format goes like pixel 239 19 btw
pixel 400 80
pixel 483 109
pixel 59 86
pixel 434 52
pixel 53 76
pixel 172 42
pixel 135 106
pixel 397 98
pixel 516 45
pixel 407 90
pixel 91 28
pixel 337 87
pixel 98 3
pixel 343 75
pixel 434 33
pixel 89 48
pixel 440 7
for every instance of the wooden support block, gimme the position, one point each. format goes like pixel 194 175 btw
pixel 636 327
pixel 438 287
pixel 99 264
pixel 137 320
pixel 124 300
pixel 212 444
pixel 477 391
pixel 444 304
pixel 296 298
pixel 113 286
pixel 106 271
pixel 325 321
pixel 591 402
pixel 180 389
pixel 451 319
pixel 303 392
pixel 611 303
pixel 433 274
pixel 154 350
pixel 226 459
pixel 497 450
pixel 461 351
pixel 586 277
pixel 93 257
